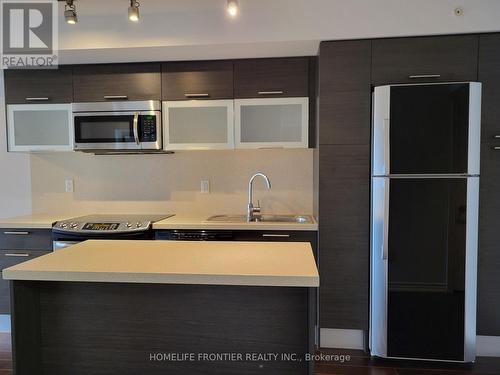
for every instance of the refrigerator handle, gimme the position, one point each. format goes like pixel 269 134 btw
pixel 387 145
pixel 385 245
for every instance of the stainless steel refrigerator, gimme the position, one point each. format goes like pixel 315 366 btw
pixel 424 221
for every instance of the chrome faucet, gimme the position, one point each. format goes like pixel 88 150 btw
pixel 253 212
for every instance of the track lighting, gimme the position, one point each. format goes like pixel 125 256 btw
pixel 133 11
pixel 70 12
pixel 233 7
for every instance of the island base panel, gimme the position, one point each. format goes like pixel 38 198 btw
pixel 114 328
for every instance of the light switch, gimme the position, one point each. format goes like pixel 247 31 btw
pixel 205 186
pixel 69 185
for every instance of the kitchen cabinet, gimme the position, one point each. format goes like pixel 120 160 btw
pixel 16 246
pixel 280 77
pixel 273 122
pixel 198 124
pixel 197 80
pixel 425 59
pixel 40 127
pixel 343 183
pixel 279 236
pixel 39 85
pixel 10 258
pixel 344 92
pixel 344 236
pixel 488 294
pixel 95 83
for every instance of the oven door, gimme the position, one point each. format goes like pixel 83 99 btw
pixel 117 130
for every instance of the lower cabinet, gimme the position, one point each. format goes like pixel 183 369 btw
pixel 10 258
pixel 19 245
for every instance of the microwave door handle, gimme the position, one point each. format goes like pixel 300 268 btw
pixel 136 128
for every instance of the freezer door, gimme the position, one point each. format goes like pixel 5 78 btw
pixel 424 256
pixel 427 129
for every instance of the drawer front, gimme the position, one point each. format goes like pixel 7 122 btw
pixel 10 258
pixel 262 78
pixel 25 239
pixel 203 80
pixel 97 83
pixel 38 86
pixel 425 59
pixel 277 236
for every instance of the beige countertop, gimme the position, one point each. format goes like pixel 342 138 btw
pixel 35 221
pixel 288 264
pixel 45 221
pixel 200 222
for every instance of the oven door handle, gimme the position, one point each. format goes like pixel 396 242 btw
pixel 136 128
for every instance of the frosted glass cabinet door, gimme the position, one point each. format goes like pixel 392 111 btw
pixel 40 127
pixel 198 125
pixel 273 122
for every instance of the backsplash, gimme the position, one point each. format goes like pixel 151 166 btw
pixel 171 183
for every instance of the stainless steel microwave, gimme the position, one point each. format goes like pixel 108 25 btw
pixel 119 125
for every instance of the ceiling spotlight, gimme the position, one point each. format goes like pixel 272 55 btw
pixel 70 12
pixel 233 7
pixel 133 11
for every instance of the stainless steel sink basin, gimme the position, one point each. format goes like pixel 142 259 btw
pixel 301 219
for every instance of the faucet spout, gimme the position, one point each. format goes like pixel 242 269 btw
pixel 253 212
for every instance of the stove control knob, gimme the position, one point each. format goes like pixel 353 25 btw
pixel 73 225
pixel 64 225
pixel 138 225
pixel 128 225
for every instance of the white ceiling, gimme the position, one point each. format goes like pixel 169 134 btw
pixel 201 29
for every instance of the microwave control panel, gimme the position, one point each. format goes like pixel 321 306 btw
pixel 148 128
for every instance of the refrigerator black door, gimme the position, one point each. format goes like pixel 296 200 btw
pixel 426 268
pixel 429 129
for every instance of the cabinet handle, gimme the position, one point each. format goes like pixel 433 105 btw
pixel 417 76
pixel 496 136
pixel 115 97
pixel 18 255
pixel 196 95
pixel 16 233
pixel 37 99
pixel 276 235
pixel 496 148
pixel 278 92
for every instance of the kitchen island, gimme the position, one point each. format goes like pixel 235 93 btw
pixel 157 307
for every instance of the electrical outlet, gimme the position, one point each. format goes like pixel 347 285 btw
pixel 69 185
pixel 205 186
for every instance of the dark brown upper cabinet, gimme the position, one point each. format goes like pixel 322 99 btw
pixel 96 83
pixel 344 92
pixel 39 86
pixel 263 78
pixel 425 59
pixel 197 80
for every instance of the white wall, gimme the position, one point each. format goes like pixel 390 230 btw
pixel 171 183
pixel 201 29
pixel 15 189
